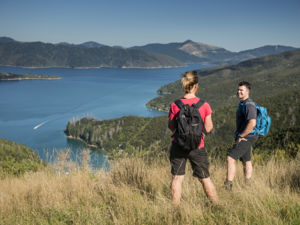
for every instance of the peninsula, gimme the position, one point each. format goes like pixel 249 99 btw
pixel 12 77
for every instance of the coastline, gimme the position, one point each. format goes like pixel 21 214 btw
pixel 28 78
pixel 90 145
pixel 155 108
pixel 94 67
pixel 149 67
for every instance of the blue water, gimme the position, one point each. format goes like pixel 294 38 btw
pixel 48 105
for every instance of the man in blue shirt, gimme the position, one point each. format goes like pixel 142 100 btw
pixel 245 123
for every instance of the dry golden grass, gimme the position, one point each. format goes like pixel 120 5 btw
pixel 135 192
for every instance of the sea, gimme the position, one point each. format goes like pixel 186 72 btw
pixel 35 112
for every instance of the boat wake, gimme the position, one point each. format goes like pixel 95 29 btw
pixel 41 124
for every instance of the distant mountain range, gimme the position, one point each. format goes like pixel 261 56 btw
pixel 88 54
pixel 93 54
pixel 195 52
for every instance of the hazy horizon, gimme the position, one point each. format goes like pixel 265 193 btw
pixel 135 45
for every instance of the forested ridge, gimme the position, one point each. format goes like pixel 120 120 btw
pixel 268 75
pixel 38 54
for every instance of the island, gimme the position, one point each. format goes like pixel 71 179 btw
pixel 11 77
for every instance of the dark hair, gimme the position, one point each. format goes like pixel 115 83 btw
pixel 189 80
pixel 245 83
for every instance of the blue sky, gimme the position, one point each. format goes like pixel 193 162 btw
pixel 233 24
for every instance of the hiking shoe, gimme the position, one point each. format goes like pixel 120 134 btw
pixel 248 182
pixel 228 185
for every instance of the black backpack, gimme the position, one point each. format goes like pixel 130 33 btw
pixel 189 126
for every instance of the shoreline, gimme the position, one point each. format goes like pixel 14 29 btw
pixel 149 67
pixel 16 79
pixel 90 145
pixel 93 67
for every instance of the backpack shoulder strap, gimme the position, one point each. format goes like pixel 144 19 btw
pixel 250 103
pixel 247 104
pixel 179 103
pixel 242 108
pixel 199 103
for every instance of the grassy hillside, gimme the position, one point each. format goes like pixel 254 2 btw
pixel 137 192
pixel 16 159
pixel 268 75
pixel 38 54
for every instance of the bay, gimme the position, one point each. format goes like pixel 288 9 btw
pixel 36 112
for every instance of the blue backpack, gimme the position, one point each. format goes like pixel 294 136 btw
pixel 263 121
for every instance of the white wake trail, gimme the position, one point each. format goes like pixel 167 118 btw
pixel 41 124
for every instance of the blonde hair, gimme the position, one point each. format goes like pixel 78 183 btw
pixel 188 80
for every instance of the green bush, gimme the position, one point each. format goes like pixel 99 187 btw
pixel 16 159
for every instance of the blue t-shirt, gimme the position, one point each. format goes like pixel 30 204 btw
pixel 243 118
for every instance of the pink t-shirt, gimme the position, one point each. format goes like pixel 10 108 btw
pixel 204 110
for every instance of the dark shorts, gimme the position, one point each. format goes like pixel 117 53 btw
pixel 198 159
pixel 242 150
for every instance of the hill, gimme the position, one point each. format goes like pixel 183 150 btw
pixel 38 54
pixel 16 159
pixel 196 52
pixel 258 52
pixel 268 75
pixel 6 40
pixel 91 44
pixel 88 44
pixel 137 191
pixel 171 49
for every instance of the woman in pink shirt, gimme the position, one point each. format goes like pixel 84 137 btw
pixel 197 157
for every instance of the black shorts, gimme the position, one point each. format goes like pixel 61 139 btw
pixel 242 150
pixel 198 159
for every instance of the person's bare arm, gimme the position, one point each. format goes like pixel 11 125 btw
pixel 208 124
pixel 250 126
